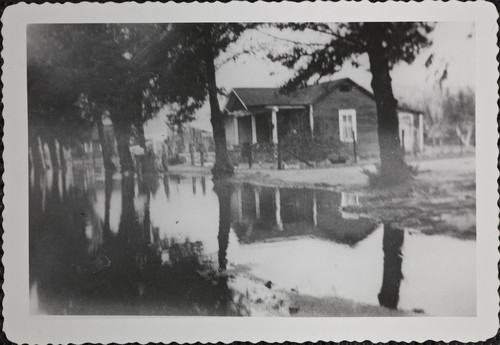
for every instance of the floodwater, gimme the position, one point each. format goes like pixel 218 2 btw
pixel 178 245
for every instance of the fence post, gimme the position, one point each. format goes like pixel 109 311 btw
pixel 191 153
pixel 250 156
pixel 202 158
pixel 354 147
pixel 279 157
pixel 403 141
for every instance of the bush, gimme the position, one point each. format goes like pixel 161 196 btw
pixel 177 160
pixel 377 180
pixel 317 149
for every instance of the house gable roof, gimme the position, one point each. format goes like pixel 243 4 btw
pixel 255 97
pixel 241 99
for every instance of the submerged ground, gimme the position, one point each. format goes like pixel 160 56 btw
pixel 312 242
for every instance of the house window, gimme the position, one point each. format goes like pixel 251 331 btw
pixel 347 125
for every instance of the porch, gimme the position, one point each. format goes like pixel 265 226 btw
pixel 269 125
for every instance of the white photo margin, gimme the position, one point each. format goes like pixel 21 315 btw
pixel 21 327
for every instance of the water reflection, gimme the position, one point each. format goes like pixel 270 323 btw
pixel 130 247
pixel 166 186
pixel 79 267
pixel 264 213
pixel 223 192
pixel 392 243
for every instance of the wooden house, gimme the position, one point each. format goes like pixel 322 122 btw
pixel 338 112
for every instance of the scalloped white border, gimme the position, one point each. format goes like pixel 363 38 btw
pixel 20 327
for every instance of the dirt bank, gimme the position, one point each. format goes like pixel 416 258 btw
pixel 261 298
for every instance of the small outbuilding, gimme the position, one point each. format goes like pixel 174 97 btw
pixel 339 115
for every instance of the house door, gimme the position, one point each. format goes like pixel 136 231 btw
pixel 406 131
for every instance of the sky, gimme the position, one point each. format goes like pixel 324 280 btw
pixel 451 46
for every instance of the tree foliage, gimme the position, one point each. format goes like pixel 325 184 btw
pixel 53 82
pixel 347 42
pixel 459 114
pixel 76 72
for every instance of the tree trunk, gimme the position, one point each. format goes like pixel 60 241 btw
pixel 64 164
pixel 45 151
pixel 222 166
pixel 202 158
pixel 141 137
pixel 129 232
pixel 37 155
pixel 108 189
pixel 122 134
pixel 147 219
pixel 392 166
pixel 142 160
pixel 465 138
pixel 109 167
pixel 164 157
pixel 54 153
pixel 191 153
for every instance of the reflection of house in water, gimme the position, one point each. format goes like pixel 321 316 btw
pixel 265 213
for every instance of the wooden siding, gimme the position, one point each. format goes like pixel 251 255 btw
pixel 326 119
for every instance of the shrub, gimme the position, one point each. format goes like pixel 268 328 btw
pixel 177 160
pixel 377 180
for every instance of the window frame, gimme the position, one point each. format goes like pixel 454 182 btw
pixel 349 112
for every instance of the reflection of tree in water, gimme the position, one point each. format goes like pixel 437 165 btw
pixel 131 272
pixel 108 189
pixel 166 186
pixel 203 185
pixel 193 183
pixel 392 242
pixel 223 192
pixel 57 235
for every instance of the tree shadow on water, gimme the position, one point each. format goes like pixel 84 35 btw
pixel 132 272
pixel 392 242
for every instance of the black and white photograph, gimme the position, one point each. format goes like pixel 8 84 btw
pixel 290 169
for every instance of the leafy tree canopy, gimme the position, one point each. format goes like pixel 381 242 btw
pixel 400 41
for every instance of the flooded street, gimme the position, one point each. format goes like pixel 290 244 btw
pixel 178 245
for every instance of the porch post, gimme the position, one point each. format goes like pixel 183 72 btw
pixel 311 120
pixel 421 132
pixel 277 201
pixel 274 121
pixel 236 134
pixel 254 130
pixel 257 203
pixel 315 210
pixel 239 203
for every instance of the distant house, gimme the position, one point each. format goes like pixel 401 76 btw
pixel 339 111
